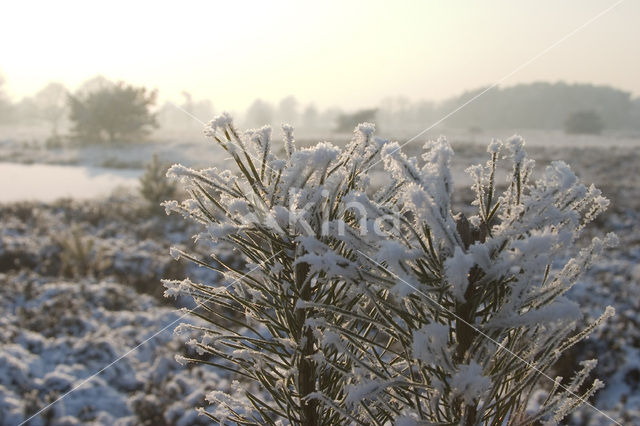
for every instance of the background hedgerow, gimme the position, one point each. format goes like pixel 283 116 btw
pixel 365 299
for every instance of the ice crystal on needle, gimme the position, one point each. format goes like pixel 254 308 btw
pixel 390 303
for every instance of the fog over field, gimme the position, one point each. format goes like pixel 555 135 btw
pixel 317 214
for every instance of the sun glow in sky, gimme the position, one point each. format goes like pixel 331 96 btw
pixel 349 53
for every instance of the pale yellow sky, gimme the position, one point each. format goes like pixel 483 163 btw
pixel 349 53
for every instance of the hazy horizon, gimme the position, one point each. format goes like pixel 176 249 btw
pixel 349 55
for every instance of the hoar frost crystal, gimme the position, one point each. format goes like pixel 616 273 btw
pixel 367 304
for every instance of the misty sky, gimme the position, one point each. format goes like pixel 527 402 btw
pixel 351 54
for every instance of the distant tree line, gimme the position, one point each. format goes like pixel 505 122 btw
pixel 575 108
pixel 524 106
pixel 101 111
pixel 543 106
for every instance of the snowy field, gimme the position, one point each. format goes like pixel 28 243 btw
pixel 80 284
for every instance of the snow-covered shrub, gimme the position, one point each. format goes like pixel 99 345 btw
pixel 279 214
pixel 78 256
pixel 364 299
pixel 154 185
pixel 473 314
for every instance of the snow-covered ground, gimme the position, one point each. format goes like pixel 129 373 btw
pixel 79 289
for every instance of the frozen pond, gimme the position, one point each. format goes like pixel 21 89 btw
pixel 45 182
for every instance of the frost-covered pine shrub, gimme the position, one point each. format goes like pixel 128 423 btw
pixel 154 185
pixel 473 314
pixel 365 299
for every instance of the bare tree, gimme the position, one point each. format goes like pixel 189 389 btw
pixel 51 102
pixel 259 113
pixel 288 110
pixel 5 105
